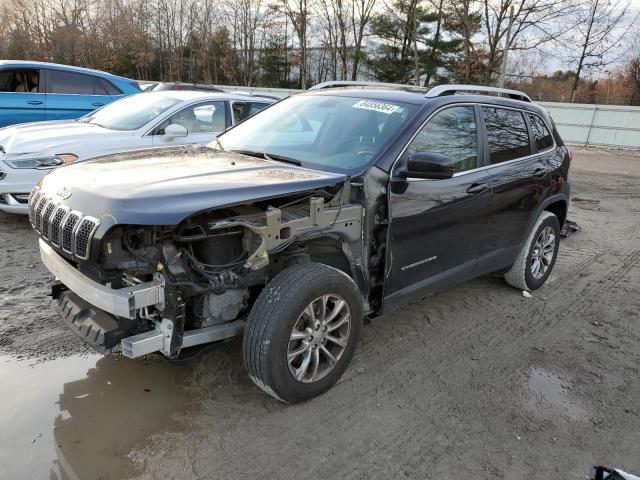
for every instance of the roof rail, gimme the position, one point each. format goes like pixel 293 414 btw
pixel 356 83
pixel 253 93
pixel 442 90
pixel 438 91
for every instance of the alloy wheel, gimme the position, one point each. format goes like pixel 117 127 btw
pixel 319 338
pixel 543 251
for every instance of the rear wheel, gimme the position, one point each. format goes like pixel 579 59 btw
pixel 302 332
pixel 538 255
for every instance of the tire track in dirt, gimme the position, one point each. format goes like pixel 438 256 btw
pixel 632 231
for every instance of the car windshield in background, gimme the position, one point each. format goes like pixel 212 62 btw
pixel 130 113
pixel 335 133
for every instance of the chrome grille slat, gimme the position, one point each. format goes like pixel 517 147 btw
pixel 70 230
pixel 38 213
pixel 56 221
pixel 82 238
pixel 32 201
pixel 46 219
pixel 34 191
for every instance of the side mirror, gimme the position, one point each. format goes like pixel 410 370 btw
pixel 428 165
pixel 174 130
pixel 598 472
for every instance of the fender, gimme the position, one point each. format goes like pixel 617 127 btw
pixel 558 197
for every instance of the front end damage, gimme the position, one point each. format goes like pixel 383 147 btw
pixel 164 288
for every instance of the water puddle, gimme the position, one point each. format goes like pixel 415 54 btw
pixel 77 417
pixel 549 395
pixel 586 203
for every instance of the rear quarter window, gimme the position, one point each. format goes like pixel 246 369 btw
pixel 108 87
pixel 541 133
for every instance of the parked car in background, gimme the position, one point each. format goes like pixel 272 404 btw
pixel 240 110
pixel 29 151
pixel 258 94
pixel 35 91
pixel 163 86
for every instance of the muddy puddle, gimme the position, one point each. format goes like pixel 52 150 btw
pixel 549 396
pixel 78 417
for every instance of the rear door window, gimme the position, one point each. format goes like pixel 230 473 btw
pixel 541 133
pixel 254 108
pixel 72 83
pixel 507 134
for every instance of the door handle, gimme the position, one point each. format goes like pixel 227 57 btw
pixel 35 102
pixel 540 172
pixel 97 104
pixel 476 188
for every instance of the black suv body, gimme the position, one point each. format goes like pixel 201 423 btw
pixel 368 197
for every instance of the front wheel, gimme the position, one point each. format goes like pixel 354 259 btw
pixel 537 256
pixel 302 332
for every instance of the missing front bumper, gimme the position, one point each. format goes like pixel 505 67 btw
pixel 122 302
pixel 104 317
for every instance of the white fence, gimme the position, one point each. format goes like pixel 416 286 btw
pixel 605 125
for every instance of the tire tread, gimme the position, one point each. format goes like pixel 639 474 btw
pixel 516 276
pixel 263 317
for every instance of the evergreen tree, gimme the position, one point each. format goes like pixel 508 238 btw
pixel 405 28
pixel 274 64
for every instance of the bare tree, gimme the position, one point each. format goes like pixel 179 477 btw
pixel 298 12
pixel 600 26
pixel 330 37
pixel 362 11
pixel 247 18
pixel 535 22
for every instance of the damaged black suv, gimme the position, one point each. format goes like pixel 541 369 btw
pixel 329 208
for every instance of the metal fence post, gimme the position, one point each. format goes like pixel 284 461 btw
pixel 593 117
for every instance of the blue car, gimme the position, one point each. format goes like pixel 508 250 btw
pixel 35 91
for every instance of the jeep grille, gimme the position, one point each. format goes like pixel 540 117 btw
pixel 62 227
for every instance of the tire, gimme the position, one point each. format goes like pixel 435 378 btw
pixel 523 274
pixel 284 320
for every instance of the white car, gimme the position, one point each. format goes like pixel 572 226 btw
pixel 177 117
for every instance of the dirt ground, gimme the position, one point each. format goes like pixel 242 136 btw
pixel 473 382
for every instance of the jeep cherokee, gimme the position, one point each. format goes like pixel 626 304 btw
pixel 325 210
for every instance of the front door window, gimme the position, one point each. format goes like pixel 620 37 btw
pixel 452 132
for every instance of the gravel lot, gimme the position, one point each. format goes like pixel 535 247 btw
pixel 473 382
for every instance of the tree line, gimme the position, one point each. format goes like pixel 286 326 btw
pixel 297 43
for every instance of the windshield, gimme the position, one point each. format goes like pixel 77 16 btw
pixel 130 113
pixel 327 132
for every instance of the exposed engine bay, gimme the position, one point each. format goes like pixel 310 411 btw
pixel 214 264
pixel 165 287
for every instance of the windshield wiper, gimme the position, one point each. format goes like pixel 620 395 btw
pixel 269 156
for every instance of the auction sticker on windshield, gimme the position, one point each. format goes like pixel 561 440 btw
pixel 376 106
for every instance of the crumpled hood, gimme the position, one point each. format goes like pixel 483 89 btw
pixel 166 185
pixel 53 137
